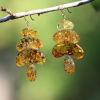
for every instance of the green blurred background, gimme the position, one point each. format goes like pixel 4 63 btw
pixel 52 82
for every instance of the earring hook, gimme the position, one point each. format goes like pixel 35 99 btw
pixel 26 21
pixel 69 11
pixel 31 18
pixel 63 15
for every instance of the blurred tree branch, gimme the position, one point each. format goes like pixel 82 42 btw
pixel 40 11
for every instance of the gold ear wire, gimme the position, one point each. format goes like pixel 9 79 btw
pixel 63 15
pixel 31 18
pixel 26 22
pixel 69 11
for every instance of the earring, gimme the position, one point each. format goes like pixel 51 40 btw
pixel 67 39
pixel 29 52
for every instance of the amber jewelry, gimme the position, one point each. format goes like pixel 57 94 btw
pixel 67 39
pixel 29 52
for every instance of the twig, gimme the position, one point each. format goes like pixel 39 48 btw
pixel 40 11
pixel 7 10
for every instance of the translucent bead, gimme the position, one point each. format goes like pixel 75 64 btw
pixel 30 55
pixel 69 65
pixel 66 24
pixel 31 72
pixel 66 35
pixel 67 48
pixel 28 32
pixel 29 42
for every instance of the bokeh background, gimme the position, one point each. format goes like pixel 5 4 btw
pixel 52 82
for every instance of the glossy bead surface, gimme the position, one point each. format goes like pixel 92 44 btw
pixel 66 35
pixel 69 65
pixel 67 48
pixel 31 72
pixel 29 42
pixel 28 32
pixel 30 55
pixel 66 24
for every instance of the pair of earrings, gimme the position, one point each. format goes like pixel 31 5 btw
pixel 29 48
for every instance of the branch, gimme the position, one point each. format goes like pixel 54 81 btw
pixel 40 11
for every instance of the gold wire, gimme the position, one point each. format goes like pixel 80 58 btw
pixel 63 15
pixel 26 22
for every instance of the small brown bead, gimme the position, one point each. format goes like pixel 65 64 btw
pixel 69 65
pixel 28 32
pixel 66 24
pixel 31 72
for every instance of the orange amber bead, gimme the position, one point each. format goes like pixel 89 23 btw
pixel 67 48
pixel 66 24
pixel 29 42
pixel 30 55
pixel 28 32
pixel 66 35
pixel 31 72
pixel 69 65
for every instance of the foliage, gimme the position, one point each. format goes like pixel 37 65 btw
pixel 96 5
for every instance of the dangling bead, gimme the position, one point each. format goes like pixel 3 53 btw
pixel 31 72
pixel 66 35
pixel 67 48
pixel 28 32
pixel 29 42
pixel 30 55
pixel 66 24
pixel 69 65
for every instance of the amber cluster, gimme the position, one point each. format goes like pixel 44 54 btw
pixel 67 39
pixel 29 52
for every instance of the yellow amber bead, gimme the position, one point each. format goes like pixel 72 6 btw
pixel 66 35
pixel 29 42
pixel 67 48
pixel 30 55
pixel 66 24
pixel 28 32
pixel 31 72
pixel 69 65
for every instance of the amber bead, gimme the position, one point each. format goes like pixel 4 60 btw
pixel 67 48
pixel 66 35
pixel 31 72
pixel 66 24
pixel 28 32
pixel 69 65
pixel 29 42
pixel 30 55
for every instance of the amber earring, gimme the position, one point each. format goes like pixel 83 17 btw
pixel 67 39
pixel 29 52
